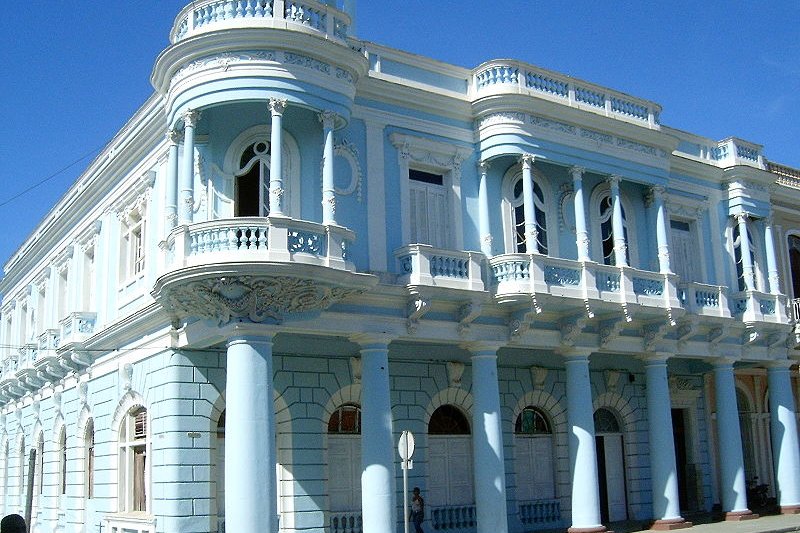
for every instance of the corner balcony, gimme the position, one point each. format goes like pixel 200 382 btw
pixel 305 16
pixel 256 268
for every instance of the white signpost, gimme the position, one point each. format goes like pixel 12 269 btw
pixel 406 449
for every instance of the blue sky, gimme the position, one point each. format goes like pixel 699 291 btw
pixel 74 71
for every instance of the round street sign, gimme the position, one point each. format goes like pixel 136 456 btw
pixel 406 445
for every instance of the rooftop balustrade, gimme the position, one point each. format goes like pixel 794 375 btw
pixel 503 77
pixel 301 15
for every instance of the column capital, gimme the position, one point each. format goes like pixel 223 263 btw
pixel 372 340
pixel 658 191
pixel 482 348
pixel 654 358
pixel 173 137
pixel 327 118
pixel 572 353
pixel 742 216
pixel 527 160
pixel 780 364
pixel 722 362
pixel 484 166
pixel 277 106
pixel 190 118
pixel 577 172
pixel 613 180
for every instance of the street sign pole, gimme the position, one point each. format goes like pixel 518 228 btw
pixel 406 449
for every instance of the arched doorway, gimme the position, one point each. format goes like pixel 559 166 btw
pixel 610 466
pixel 344 462
pixel 449 459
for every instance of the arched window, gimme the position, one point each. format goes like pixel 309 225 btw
pixel 533 456
pixel 62 462
pixel 514 212
pixel 793 242
pixel 133 468
pixel 88 439
pixel 344 458
pixel 605 421
pixel 449 458
pixel 252 181
pixel 605 214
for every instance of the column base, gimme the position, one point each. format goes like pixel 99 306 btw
pixel 597 529
pixel 669 525
pixel 737 516
pixel 790 509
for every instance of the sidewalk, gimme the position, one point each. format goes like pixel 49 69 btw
pixel 764 524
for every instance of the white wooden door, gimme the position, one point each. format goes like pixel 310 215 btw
pixel 615 478
pixel 684 258
pixel 344 472
pixel 450 470
pixel 534 468
pixel 429 214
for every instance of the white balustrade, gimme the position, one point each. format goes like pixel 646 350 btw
pixel 706 300
pixel 256 239
pixel 129 524
pixel 504 76
pixel 757 306
pixel 77 327
pixel 421 264
pixel 303 15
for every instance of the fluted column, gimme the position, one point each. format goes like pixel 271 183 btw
pixel 783 423
pixel 276 106
pixel 171 199
pixel 250 479
pixel 617 224
pixel 582 450
pixel 729 442
pixel 531 241
pixel 186 197
pixel 377 446
pixel 744 249
pixel 581 232
pixel 664 473
pixel 662 230
pixel 484 226
pixel 772 260
pixel 487 442
pixel 328 119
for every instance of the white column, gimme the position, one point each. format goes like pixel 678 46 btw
pixel 581 233
pixel 582 450
pixel 186 195
pixel 328 119
pixel 250 480
pixel 487 442
pixel 171 197
pixel 662 230
pixel 377 447
pixel 617 225
pixel 531 241
pixel 733 487
pixel 783 423
pixel 772 261
pixel 664 474
pixel 276 107
pixel 484 225
pixel 744 250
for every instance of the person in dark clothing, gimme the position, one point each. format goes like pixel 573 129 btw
pixel 13 523
pixel 417 511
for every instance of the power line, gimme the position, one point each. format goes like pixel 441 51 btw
pixel 48 178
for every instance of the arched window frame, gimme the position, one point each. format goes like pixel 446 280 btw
pixel 540 419
pixel 61 450
pixel 543 206
pixel 606 414
pixel 599 193
pixel 791 283
pixel 537 481
pixel 338 418
pixel 232 168
pixel 133 441
pixel 88 465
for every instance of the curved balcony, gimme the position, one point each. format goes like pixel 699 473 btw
pixel 500 77
pixel 300 15
pixel 257 268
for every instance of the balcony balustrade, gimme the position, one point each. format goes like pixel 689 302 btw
pixel 421 264
pixel 300 15
pixel 705 300
pixel 77 327
pixel 129 524
pixel 757 306
pixel 503 76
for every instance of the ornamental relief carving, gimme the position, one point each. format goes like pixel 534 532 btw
pixel 252 298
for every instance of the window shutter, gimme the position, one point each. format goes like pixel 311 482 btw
pixel 140 425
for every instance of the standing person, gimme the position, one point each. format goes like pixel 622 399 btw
pixel 417 510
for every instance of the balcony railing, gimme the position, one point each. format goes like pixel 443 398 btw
pixel 129 524
pixel 453 518
pixel 540 512
pixel 303 15
pixel 77 327
pixel 346 522
pixel 757 306
pixel 504 76
pixel 268 239
pixel 706 300
pixel 421 264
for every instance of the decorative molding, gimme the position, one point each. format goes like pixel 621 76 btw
pixel 348 151
pixel 222 61
pixel 253 298
pixel 538 376
pixel 430 152
pixel 455 370
pixel 611 378
pixel 355 369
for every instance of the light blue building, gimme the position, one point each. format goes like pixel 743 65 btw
pixel 304 244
